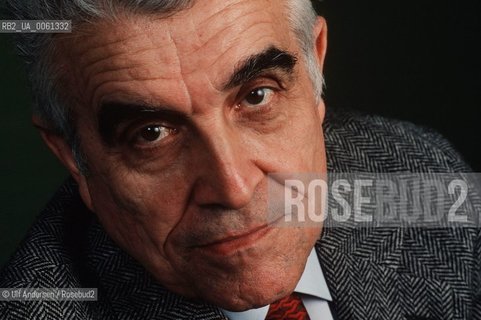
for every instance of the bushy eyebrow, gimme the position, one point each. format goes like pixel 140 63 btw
pixel 253 66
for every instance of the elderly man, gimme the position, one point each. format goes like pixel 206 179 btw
pixel 170 117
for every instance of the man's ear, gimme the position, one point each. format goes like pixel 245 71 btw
pixel 63 151
pixel 320 49
pixel 320 34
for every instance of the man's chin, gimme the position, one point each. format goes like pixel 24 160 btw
pixel 242 301
pixel 248 289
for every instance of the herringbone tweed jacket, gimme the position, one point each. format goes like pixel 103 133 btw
pixel 378 273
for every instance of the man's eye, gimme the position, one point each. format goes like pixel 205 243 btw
pixel 258 97
pixel 154 133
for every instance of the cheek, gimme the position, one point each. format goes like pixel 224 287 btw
pixel 137 210
pixel 299 146
pixel 307 138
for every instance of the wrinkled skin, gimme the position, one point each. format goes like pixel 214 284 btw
pixel 187 197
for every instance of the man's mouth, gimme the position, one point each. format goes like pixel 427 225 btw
pixel 231 244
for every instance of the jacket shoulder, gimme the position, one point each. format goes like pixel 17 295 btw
pixel 357 142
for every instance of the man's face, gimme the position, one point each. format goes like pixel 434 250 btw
pixel 181 120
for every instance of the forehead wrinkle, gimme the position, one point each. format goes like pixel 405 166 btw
pixel 113 61
pixel 183 85
pixel 227 45
pixel 198 26
pixel 88 69
pixel 207 19
pixel 90 78
pixel 234 24
pixel 204 21
pixel 119 81
pixel 98 44
pixel 179 63
pixel 220 34
pixel 109 51
pixel 122 29
pixel 131 35
pixel 106 71
pixel 206 43
pixel 110 64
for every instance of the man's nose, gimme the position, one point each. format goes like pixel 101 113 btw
pixel 228 173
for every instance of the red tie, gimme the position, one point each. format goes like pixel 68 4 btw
pixel 288 308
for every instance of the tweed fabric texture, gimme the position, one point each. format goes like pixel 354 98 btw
pixel 372 273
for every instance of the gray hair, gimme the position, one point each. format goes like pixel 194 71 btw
pixel 39 51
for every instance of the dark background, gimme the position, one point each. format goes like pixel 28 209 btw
pixel 413 60
pixel 417 60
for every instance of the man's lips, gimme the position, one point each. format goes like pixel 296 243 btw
pixel 233 243
pixel 237 242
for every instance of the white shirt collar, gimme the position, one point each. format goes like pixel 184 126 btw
pixel 312 283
